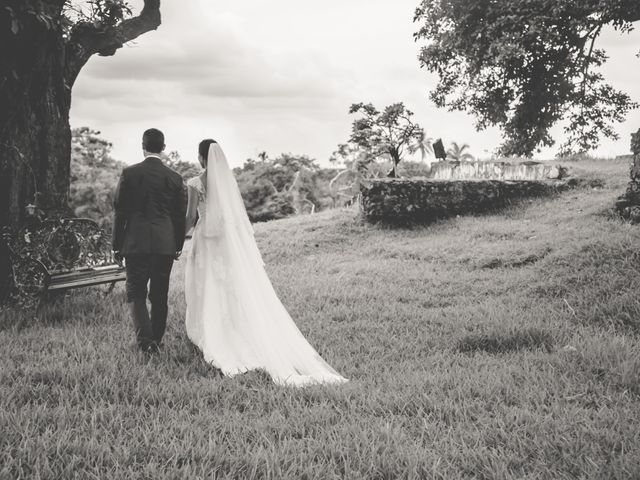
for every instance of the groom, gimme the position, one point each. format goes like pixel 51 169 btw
pixel 149 232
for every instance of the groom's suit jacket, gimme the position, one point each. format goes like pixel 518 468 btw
pixel 150 207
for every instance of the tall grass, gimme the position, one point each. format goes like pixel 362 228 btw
pixel 490 347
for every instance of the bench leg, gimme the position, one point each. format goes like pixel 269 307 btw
pixel 42 299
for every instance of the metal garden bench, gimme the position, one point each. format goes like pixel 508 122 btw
pixel 59 254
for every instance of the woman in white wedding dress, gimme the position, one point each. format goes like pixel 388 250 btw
pixel 234 315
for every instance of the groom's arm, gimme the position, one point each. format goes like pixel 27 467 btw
pixel 120 206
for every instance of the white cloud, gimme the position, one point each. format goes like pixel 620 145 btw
pixel 279 76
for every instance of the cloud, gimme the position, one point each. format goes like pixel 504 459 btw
pixel 211 58
pixel 213 79
pixel 277 76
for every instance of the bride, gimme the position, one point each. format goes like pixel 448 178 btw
pixel 233 313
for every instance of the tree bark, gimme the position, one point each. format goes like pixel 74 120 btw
pixel 395 159
pixel 35 137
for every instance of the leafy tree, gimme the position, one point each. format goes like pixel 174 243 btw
pixel 423 144
pixel 387 134
pixel 458 152
pixel 357 166
pixel 304 190
pixel 526 65
pixel 283 186
pixel 44 44
pixel 94 175
pixel 412 169
pixel 186 169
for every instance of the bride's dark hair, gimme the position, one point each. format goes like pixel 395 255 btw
pixel 203 150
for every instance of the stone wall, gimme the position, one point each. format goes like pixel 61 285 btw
pixel 628 205
pixel 424 200
pixel 450 170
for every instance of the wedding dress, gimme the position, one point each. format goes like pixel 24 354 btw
pixel 234 315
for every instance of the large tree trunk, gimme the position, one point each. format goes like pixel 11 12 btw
pixel 35 137
pixel 35 140
pixel 34 119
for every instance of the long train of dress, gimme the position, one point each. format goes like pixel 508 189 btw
pixel 236 318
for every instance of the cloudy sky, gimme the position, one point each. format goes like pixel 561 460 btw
pixel 279 76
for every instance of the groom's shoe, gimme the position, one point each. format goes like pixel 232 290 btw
pixel 141 323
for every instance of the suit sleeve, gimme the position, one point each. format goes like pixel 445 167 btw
pixel 179 213
pixel 121 205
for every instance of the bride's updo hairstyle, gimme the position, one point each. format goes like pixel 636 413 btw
pixel 203 151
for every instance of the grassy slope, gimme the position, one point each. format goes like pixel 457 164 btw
pixel 503 346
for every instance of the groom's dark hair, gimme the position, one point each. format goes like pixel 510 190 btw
pixel 203 148
pixel 153 140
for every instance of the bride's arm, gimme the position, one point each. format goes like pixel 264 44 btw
pixel 192 208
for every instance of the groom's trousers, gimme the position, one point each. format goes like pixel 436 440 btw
pixel 153 270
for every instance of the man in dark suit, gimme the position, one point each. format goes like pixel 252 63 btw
pixel 149 232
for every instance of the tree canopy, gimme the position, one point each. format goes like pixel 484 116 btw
pixel 186 169
pixel 525 65
pixel 390 133
pixel 274 188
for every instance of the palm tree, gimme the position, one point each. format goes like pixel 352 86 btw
pixel 457 152
pixel 422 145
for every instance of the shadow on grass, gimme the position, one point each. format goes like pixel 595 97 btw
pixel 498 342
pixel 184 355
pixel 74 307
pixel 516 262
pixel 181 353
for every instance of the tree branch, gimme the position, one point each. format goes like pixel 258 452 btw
pixel 87 39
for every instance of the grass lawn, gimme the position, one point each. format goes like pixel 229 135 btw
pixel 493 347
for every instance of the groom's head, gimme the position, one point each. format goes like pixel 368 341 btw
pixel 153 141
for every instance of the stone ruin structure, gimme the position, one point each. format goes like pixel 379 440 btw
pixel 496 170
pixel 424 200
pixel 459 188
pixel 628 205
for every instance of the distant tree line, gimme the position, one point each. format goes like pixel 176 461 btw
pixel 272 188
pixel 286 185
pixel 94 176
